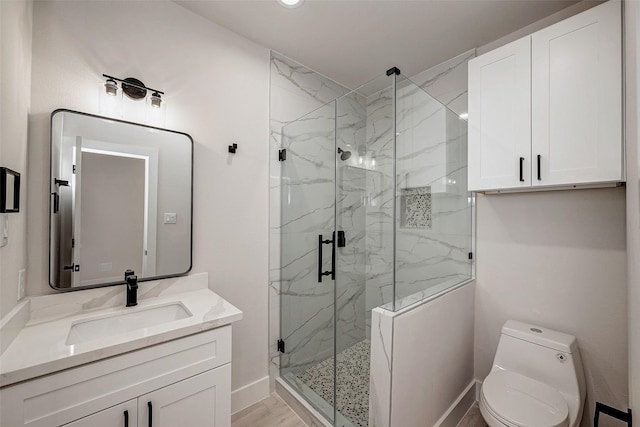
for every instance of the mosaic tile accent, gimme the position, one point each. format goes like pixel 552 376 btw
pixel 415 207
pixel 352 374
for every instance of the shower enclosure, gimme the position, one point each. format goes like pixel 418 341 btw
pixel 374 212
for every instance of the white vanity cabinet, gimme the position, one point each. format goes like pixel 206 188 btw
pixel 183 382
pixel 123 415
pixel 546 110
pixel 203 400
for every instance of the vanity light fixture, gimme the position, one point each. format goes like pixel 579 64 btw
pixel 133 88
pixel 290 3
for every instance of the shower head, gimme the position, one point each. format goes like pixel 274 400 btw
pixel 344 155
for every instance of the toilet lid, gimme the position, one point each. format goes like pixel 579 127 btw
pixel 525 402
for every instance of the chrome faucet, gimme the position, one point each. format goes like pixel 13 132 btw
pixel 132 288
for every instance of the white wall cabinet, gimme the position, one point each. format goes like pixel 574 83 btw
pixel 184 382
pixel 500 117
pixel 546 110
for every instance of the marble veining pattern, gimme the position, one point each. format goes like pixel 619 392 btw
pixel 431 152
pixel 314 182
pixel 296 91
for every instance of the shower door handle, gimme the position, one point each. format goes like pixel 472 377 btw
pixel 321 273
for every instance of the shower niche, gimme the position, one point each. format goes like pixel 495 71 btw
pixel 383 167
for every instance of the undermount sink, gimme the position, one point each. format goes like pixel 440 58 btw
pixel 125 321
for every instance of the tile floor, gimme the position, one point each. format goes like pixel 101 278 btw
pixel 270 412
pixel 274 412
pixel 473 418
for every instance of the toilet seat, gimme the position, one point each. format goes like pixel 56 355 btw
pixel 519 401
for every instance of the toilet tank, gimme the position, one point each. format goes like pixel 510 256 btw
pixel 543 354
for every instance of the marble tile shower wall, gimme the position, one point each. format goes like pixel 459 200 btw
pixel 294 91
pixel 431 149
pixel 307 209
pixel 307 190
pixel 431 153
pixel 350 218
pixel 379 214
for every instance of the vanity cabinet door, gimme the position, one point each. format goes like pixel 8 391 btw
pixel 577 99
pixel 122 415
pixel 500 118
pixel 200 401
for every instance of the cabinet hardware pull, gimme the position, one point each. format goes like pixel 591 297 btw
pixel 150 414
pixel 539 173
pixel 126 418
pixel 521 169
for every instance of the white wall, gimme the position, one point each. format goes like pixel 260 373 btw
pixel 632 27
pixel 216 85
pixel 15 89
pixel 557 259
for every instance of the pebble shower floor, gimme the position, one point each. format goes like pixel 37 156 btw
pixel 352 374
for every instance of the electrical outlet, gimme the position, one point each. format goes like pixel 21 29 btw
pixel 22 288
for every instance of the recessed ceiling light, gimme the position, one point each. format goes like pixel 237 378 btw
pixel 290 3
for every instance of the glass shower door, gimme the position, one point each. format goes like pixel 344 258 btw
pixel 307 323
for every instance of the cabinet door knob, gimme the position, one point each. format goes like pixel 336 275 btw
pixel 521 169
pixel 126 418
pixel 150 413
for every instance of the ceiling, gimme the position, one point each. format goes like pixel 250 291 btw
pixel 354 41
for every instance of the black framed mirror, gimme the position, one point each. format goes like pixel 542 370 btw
pixel 9 191
pixel 121 199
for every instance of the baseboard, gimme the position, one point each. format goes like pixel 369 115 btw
pixel 249 394
pixel 478 389
pixel 459 408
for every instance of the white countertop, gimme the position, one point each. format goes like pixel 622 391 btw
pixel 40 348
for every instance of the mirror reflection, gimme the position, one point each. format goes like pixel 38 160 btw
pixel 121 199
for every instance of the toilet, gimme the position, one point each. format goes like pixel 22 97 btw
pixel 536 379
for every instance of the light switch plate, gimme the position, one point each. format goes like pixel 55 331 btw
pixel 170 218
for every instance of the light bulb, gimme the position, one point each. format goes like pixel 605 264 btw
pixel 156 100
pixel 290 3
pixel 111 88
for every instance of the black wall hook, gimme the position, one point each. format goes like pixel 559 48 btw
pixel 233 148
